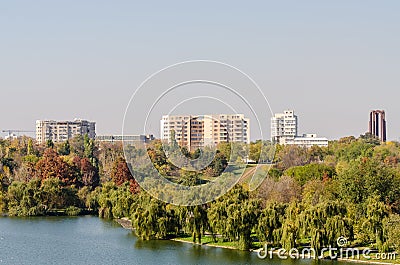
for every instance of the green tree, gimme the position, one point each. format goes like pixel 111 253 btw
pixel 290 227
pixel 325 223
pixel 30 150
pixel 367 177
pixel 305 173
pixel 150 218
pixel 234 216
pixel 392 231
pixel 196 221
pixel 376 213
pixel 49 144
pixel 270 223
pixel 65 148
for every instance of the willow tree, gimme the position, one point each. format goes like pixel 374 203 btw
pixel 270 223
pixel 151 219
pixel 234 216
pixel 376 213
pixel 104 199
pixel 324 224
pixel 217 216
pixel 290 227
pixel 246 218
pixel 392 231
pixel 122 200
pixel 196 221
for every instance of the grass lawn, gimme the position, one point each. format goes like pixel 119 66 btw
pixel 208 240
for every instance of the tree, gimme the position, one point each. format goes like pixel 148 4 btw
pixel 156 154
pixel 51 193
pixel 196 221
pixel 49 144
pixel 26 169
pixel 367 177
pixel 53 166
pixel 325 223
pixel 150 218
pixel 270 223
pixel 318 191
pixel 77 145
pixel 219 164
pixel 303 174
pixel 234 216
pixel 185 152
pixel 392 231
pixel 283 190
pixel 89 173
pixel 3 202
pixel 376 213
pixel 290 227
pixel 121 174
pixel 349 149
pixel 255 151
pixel 30 150
pixel 291 156
pixel 24 199
pixel 225 149
pixel 189 178
pixel 65 148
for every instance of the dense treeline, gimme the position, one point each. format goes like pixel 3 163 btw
pixel 311 197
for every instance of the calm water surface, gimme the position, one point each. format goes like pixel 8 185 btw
pixel 90 240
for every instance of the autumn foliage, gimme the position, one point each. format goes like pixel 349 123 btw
pixel 121 174
pixel 53 166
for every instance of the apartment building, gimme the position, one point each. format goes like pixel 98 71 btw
pixel 284 130
pixel 61 131
pixel 196 131
pixel 283 125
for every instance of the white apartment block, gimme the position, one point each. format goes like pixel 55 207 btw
pixel 284 131
pixel 205 130
pixel 283 126
pixel 61 131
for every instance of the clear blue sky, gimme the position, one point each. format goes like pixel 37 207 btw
pixel 331 61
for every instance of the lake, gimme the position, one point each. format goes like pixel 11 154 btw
pixel 90 240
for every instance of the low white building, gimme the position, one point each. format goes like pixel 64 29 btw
pixel 306 140
pixel 125 138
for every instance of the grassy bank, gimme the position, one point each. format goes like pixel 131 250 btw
pixel 209 241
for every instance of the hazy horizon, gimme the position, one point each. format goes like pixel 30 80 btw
pixel 332 62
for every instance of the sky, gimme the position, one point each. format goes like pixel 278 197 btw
pixel 330 61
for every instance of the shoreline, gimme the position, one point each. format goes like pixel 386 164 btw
pixel 124 222
pixel 127 224
pixel 210 245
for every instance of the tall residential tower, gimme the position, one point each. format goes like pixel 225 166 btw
pixel 283 126
pixel 377 124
